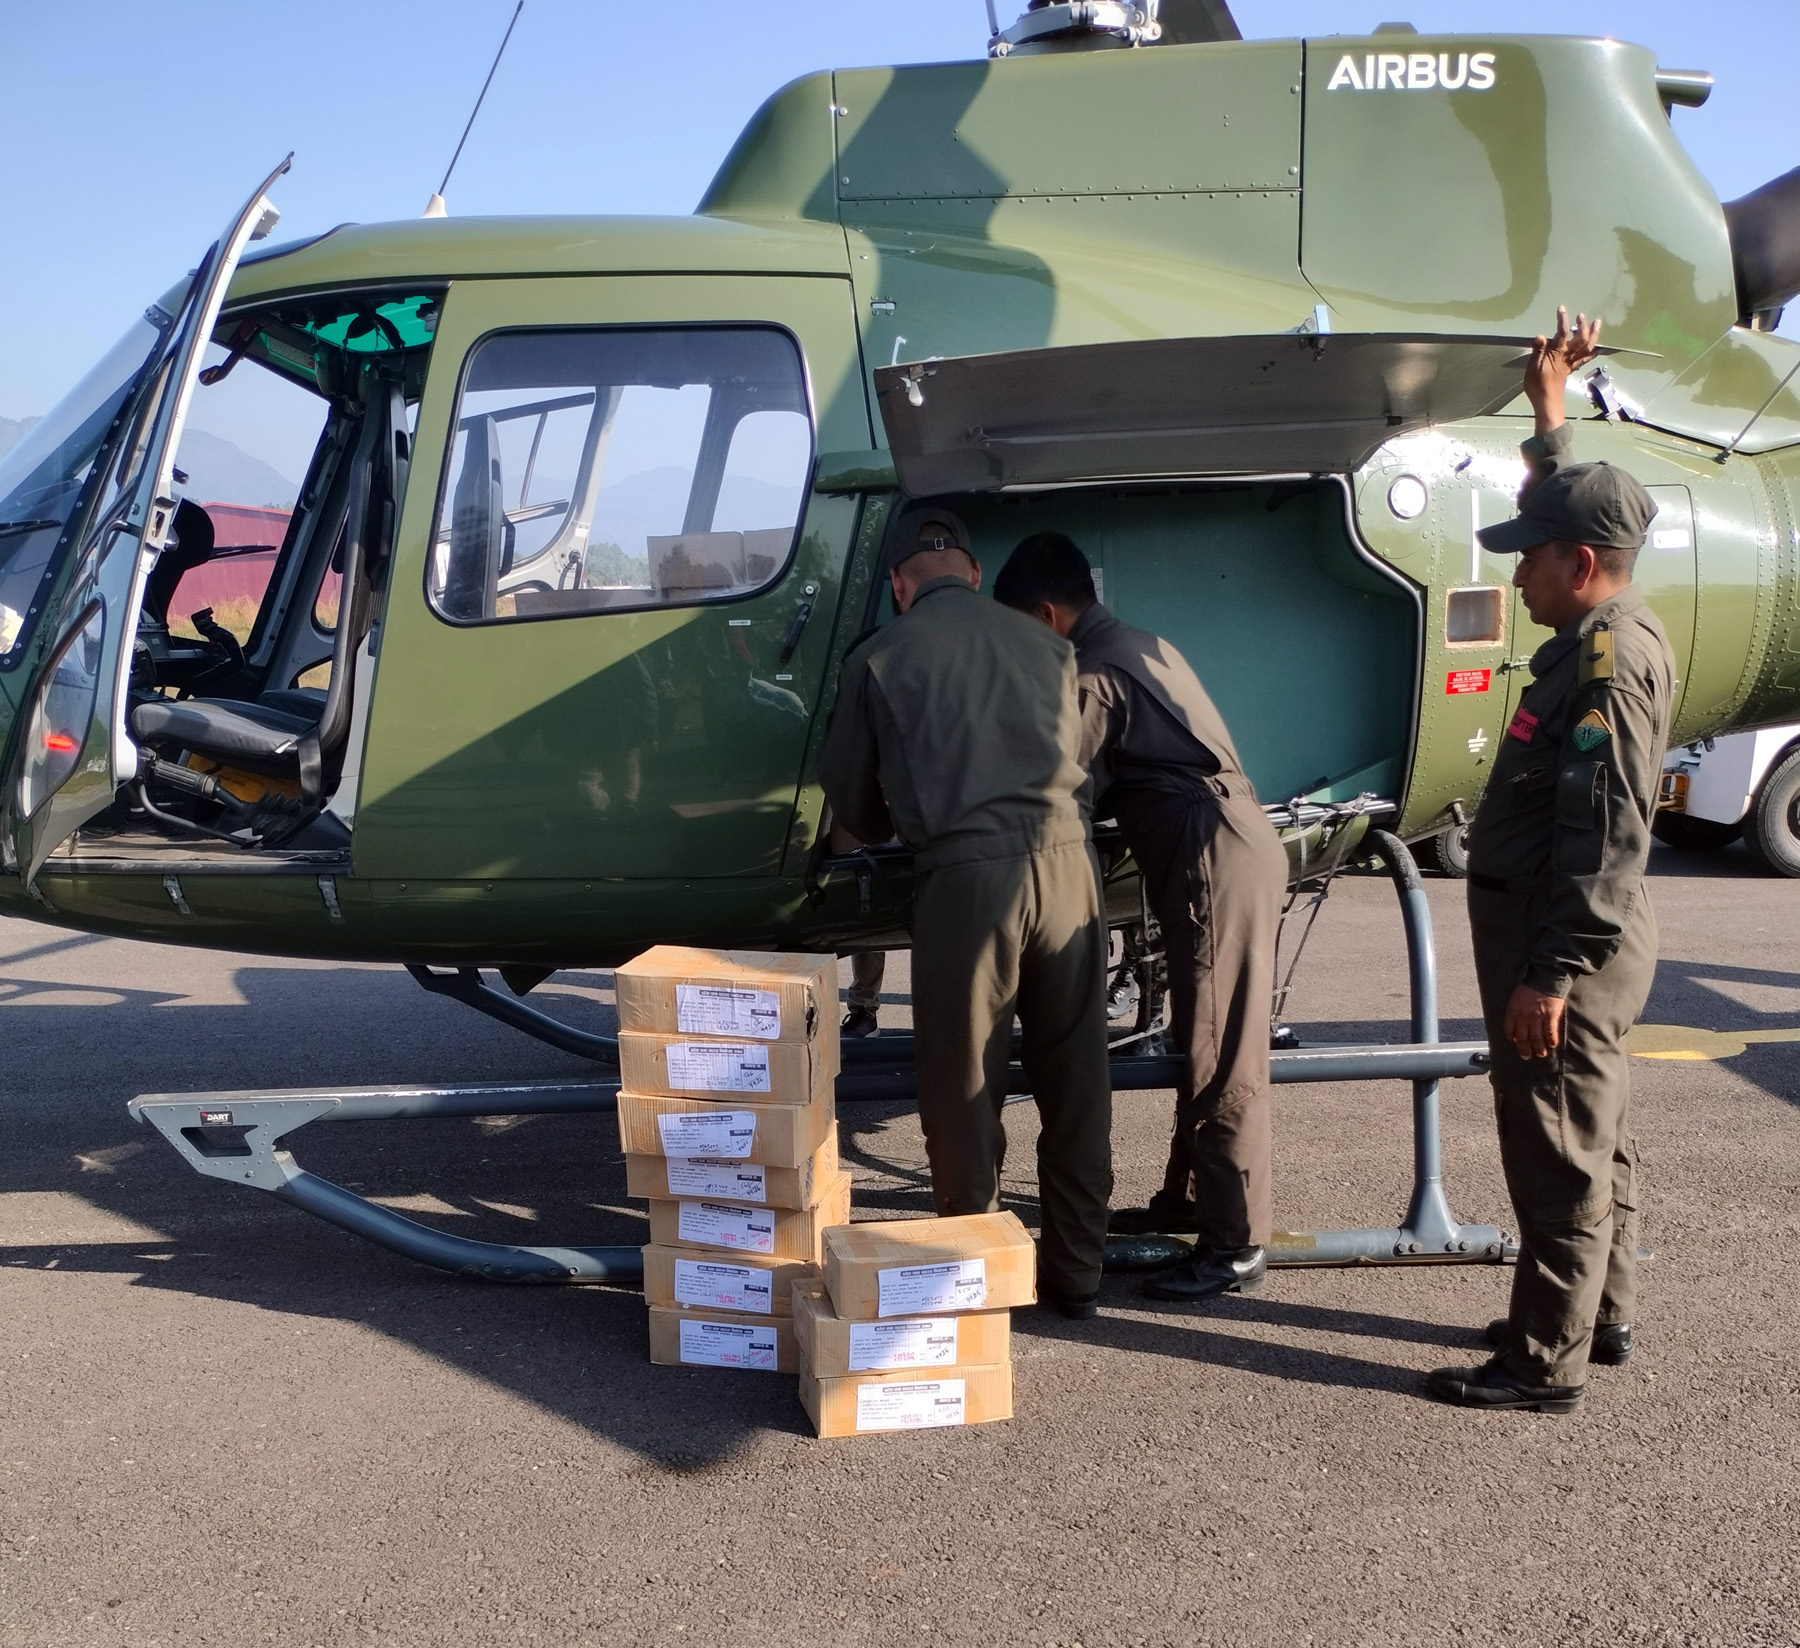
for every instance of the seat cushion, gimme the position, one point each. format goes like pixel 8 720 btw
pixel 305 701
pixel 236 734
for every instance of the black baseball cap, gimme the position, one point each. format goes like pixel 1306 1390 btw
pixel 1590 503
pixel 921 530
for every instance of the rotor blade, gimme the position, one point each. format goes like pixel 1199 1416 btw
pixel 1196 22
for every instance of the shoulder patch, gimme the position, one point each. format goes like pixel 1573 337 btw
pixel 1596 658
pixel 1590 732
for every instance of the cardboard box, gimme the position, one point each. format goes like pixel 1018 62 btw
pixel 744 1284
pixel 712 1067
pixel 715 1179
pixel 770 1135
pixel 833 1347
pixel 868 1402
pixel 722 1339
pixel 733 1227
pixel 754 994
pixel 930 1267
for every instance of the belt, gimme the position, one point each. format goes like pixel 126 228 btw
pixel 1518 884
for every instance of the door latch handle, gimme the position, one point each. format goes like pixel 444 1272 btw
pixel 794 631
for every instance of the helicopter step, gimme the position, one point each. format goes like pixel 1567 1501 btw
pixel 239 1137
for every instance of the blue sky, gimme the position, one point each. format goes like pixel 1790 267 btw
pixel 133 128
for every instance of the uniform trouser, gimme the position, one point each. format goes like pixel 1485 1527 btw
pixel 1215 875
pixel 1025 936
pixel 867 970
pixel 1565 1138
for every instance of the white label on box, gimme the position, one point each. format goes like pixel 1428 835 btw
pixel 1669 537
pixel 728 1345
pixel 929 1342
pixel 727 1135
pixel 717 1067
pixel 913 1290
pixel 715 1010
pixel 725 1287
pixel 913 1407
pixel 715 1176
pixel 717 1224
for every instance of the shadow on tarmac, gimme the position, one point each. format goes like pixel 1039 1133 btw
pixel 1148 1327
pixel 79 1047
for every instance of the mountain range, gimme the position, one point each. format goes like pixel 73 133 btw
pixel 653 501
pixel 217 470
pixel 12 431
pixel 650 502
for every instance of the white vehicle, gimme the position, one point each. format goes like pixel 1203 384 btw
pixel 1745 783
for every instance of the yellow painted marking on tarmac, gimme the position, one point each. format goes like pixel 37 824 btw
pixel 1682 1041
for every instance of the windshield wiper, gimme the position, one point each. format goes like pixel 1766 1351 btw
pixel 26 526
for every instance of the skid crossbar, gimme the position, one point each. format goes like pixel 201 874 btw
pixel 1429 1232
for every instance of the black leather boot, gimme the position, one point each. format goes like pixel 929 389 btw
pixel 1612 1346
pixel 1077 1307
pixel 859 1024
pixel 1496 1388
pixel 1165 1216
pixel 1211 1270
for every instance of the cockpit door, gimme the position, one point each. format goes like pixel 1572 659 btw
pixel 77 748
pixel 1289 403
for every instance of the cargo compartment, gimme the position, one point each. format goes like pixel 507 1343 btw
pixel 1306 642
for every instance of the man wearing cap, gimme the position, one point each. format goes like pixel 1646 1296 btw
pixel 1565 939
pixel 1215 874
pixel 956 727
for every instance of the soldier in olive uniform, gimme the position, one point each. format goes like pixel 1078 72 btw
pixel 1565 939
pixel 1215 875
pixel 957 728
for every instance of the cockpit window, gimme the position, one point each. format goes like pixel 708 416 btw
pixel 594 471
pixel 319 341
pixel 43 477
pixel 376 328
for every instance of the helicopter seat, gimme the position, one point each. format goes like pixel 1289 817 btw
pixel 257 737
pixel 308 702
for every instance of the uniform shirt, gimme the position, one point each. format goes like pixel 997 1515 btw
pixel 1568 806
pixel 1145 718
pixel 956 728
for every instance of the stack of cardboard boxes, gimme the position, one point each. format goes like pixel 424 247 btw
pixel 910 1325
pixel 726 1117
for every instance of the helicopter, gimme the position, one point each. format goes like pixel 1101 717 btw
pixel 538 664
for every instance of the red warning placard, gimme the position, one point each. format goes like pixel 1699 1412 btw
pixel 1467 681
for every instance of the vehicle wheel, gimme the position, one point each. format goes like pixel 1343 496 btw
pixel 1772 825
pixel 1693 835
pixel 1451 851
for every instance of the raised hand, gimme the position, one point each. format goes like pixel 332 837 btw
pixel 1553 358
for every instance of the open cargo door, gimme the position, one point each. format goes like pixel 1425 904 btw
pixel 77 750
pixel 1306 403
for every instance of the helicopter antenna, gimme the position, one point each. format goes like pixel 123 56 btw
pixel 434 207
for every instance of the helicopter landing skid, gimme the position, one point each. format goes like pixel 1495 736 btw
pixel 239 1137
pixel 1429 1233
pixel 467 985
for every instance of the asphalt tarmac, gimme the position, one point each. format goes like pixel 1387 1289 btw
pixel 222 1422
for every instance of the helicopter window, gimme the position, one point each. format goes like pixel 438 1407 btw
pixel 1474 617
pixel 615 469
pixel 249 441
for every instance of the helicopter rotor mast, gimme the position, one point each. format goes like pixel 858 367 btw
pixel 1100 25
